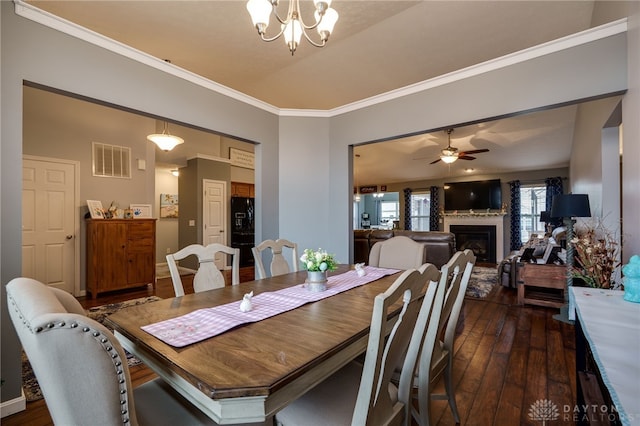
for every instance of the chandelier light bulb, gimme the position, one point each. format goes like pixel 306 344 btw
pixel 326 23
pixel 260 11
pixel 292 34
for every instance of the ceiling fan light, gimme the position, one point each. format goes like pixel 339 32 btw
pixel 448 158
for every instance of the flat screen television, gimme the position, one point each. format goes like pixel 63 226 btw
pixel 475 195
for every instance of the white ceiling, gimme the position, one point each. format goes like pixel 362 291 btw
pixel 377 46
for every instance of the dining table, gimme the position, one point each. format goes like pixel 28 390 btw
pixel 251 371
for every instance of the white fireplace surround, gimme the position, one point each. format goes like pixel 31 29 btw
pixel 488 220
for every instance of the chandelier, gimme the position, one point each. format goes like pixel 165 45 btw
pixel 164 140
pixel 293 27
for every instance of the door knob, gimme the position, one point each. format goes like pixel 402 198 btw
pixel 68 237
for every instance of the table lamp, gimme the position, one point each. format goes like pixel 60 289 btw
pixel 545 218
pixel 568 206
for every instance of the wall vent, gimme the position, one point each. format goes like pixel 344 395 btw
pixel 111 160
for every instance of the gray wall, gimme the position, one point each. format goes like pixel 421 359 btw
pixel 33 52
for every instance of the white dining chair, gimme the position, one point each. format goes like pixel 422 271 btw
pixel 208 276
pixel 364 394
pixel 82 369
pixel 398 253
pixel 454 278
pixel 279 265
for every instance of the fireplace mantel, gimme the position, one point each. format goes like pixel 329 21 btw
pixel 497 220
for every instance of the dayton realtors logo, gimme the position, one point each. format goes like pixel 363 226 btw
pixel 543 410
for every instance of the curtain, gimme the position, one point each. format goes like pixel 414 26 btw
pixel 434 212
pixel 554 187
pixel 407 209
pixel 516 240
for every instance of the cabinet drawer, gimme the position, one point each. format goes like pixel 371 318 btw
pixel 141 229
pixel 140 244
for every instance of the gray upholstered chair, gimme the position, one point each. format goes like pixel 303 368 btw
pixel 81 367
pixel 360 395
pixel 398 253
pixel 454 278
pixel 279 264
pixel 208 276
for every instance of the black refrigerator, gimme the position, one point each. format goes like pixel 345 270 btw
pixel 242 228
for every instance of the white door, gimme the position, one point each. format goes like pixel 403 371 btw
pixel 215 216
pixel 49 223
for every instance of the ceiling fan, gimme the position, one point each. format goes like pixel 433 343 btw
pixel 451 154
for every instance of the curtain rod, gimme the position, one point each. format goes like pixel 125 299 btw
pixel 522 182
pixel 536 180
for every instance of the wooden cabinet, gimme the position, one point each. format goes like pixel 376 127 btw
pixel 541 285
pixel 120 254
pixel 239 189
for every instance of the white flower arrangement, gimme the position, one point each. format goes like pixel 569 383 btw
pixel 318 260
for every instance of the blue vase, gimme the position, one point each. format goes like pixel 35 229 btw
pixel 631 279
pixel 631 289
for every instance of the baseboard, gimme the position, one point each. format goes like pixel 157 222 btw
pixel 13 406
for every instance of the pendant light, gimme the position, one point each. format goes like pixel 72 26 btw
pixel 164 140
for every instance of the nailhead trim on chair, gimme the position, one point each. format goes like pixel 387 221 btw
pixel 102 340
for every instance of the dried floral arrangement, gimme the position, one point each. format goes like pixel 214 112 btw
pixel 597 254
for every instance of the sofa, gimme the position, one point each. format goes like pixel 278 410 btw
pixel 439 246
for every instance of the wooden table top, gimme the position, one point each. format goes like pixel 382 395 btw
pixel 260 358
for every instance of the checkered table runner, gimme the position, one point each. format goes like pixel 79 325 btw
pixel 209 322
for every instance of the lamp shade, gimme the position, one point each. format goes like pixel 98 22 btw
pixel 570 205
pixel 545 216
pixel 165 141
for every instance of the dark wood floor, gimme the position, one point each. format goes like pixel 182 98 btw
pixel 507 358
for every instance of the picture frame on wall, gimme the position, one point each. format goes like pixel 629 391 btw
pixel 141 211
pixel 169 206
pixel 95 209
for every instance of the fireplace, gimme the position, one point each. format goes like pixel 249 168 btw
pixel 481 239
pixel 497 221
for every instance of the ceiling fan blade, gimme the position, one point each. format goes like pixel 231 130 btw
pixel 434 162
pixel 475 151
pixel 466 157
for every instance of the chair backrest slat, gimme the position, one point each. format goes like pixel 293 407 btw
pixel 279 265
pixel 208 276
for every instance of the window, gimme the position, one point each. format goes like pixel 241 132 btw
pixel 111 160
pixel 532 202
pixel 389 211
pixel 420 209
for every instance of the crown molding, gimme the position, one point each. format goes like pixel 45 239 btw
pixel 57 23
pixel 567 42
pixel 40 16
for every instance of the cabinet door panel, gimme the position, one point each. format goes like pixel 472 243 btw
pixel 110 245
